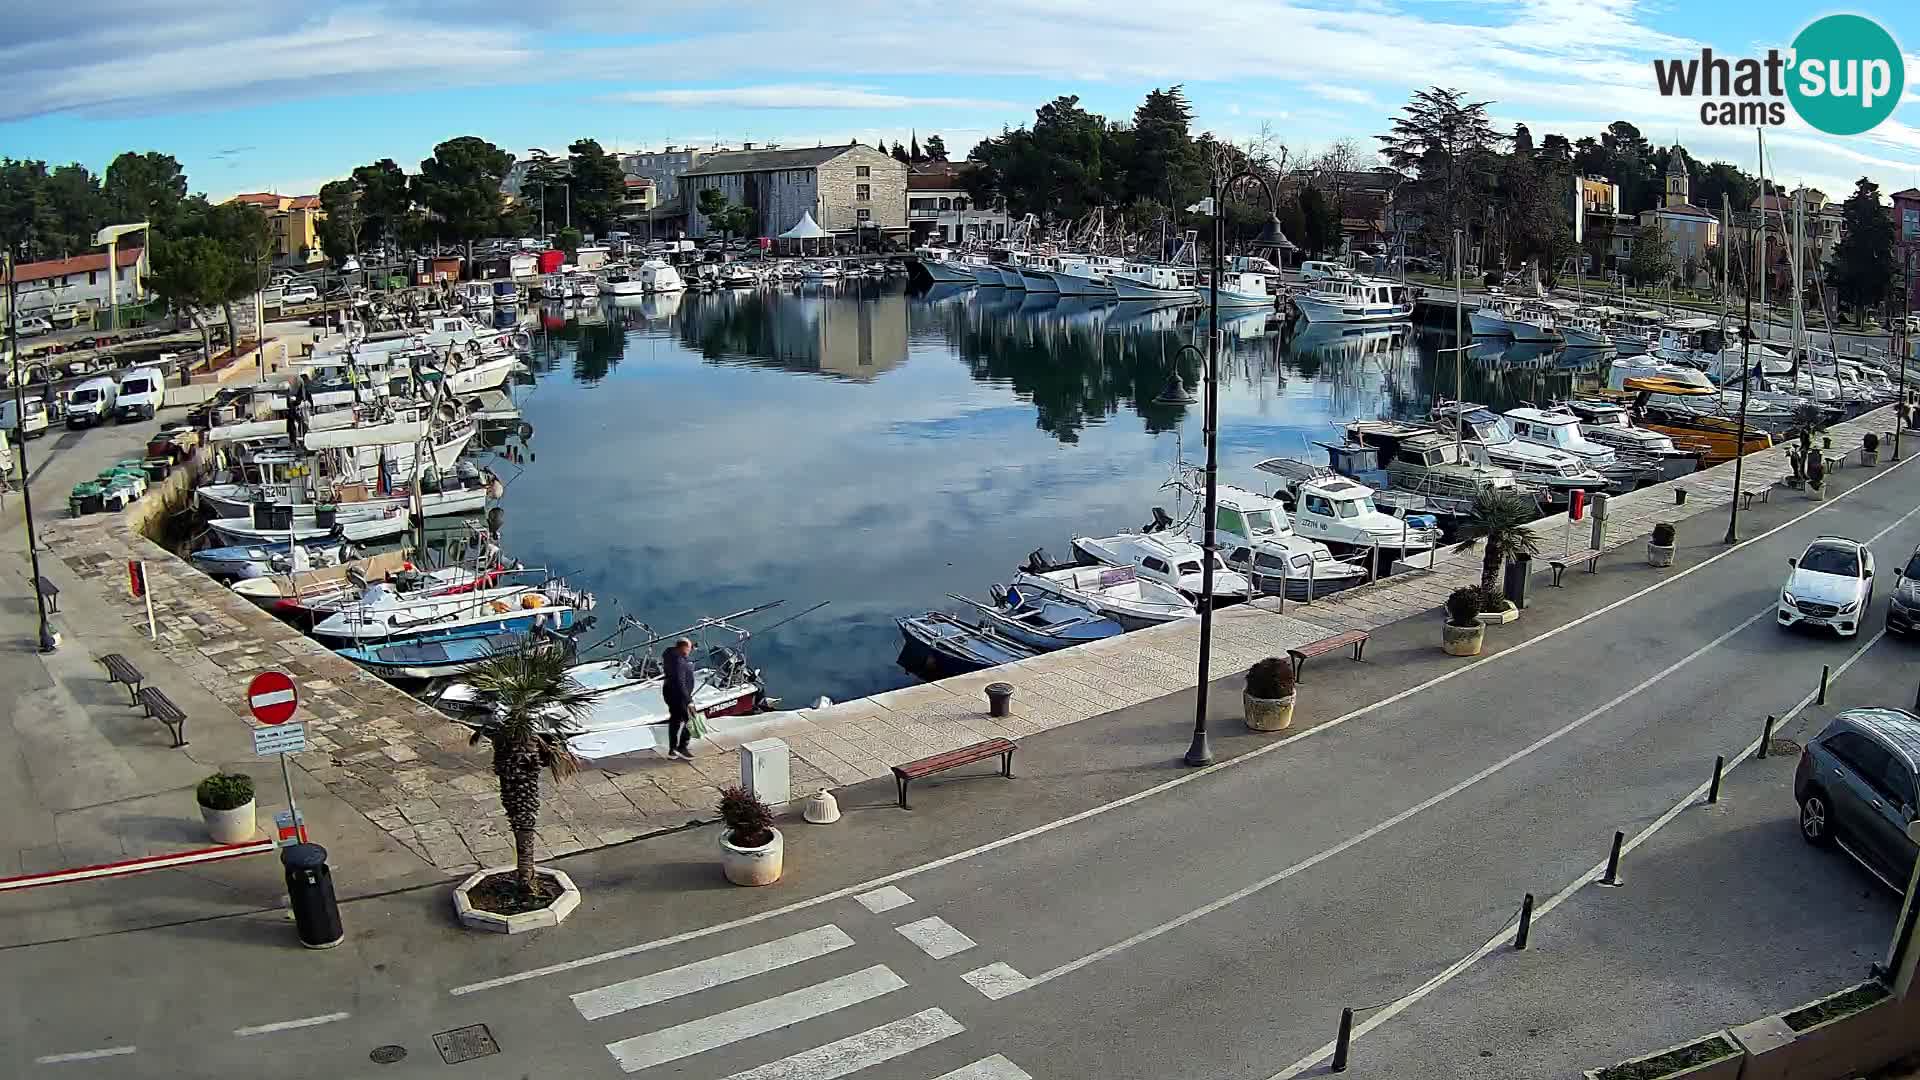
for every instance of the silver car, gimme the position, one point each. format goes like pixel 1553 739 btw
pixel 1856 787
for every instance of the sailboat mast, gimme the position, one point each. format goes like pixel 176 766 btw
pixel 1760 255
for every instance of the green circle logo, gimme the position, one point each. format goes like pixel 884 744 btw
pixel 1847 74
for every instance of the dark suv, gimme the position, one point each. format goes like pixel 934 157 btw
pixel 1855 785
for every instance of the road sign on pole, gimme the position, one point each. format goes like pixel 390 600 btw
pixel 272 697
pixel 279 739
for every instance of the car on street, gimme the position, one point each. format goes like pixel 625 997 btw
pixel 1903 611
pixel 1855 785
pixel 1831 586
pixel 33 326
pixel 299 294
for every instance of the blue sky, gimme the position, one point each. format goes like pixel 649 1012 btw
pixel 285 97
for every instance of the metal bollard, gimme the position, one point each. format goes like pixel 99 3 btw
pixel 1343 1044
pixel 1713 790
pixel 1612 876
pixel 1679 496
pixel 1526 922
pixel 1373 564
pixel 1766 736
pixel 1826 673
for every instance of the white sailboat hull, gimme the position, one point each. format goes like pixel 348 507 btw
pixel 1129 289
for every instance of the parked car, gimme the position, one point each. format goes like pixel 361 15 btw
pixel 299 294
pixel 34 326
pixel 1831 586
pixel 1855 786
pixel 1903 612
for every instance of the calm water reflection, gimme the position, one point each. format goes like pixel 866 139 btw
pixel 704 453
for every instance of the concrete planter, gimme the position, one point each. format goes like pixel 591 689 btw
pixel 752 866
pixel 1724 1068
pixel 235 826
pixel 1268 714
pixel 1869 459
pixel 552 915
pixel 1499 618
pixel 1659 554
pixel 1462 640
pixel 1845 1045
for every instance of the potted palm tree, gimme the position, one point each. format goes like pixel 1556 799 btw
pixel 751 849
pixel 226 805
pixel 1870 450
pixel 533 704
pixel 1463 633
pixel 1660 545
pixel 1498 521
pixel 1269 694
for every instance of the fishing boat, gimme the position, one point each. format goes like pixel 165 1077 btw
pixel 433 656
pixel 985 274
pixel 385 613
pixel 241 561
pixel 1346 298
pixel 1085 275
pixel 283 594
pixel 1041 622
pixel 1117 592
pixel 506 293
pixel 943 266
pixel 940 644
pixel 1168 558
pixel 1036 273
pixel 1245 291
pixel 383 524
pixel 1339 511
pixel 465 495
pixel 1155 283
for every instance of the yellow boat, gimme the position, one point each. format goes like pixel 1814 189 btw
pixel 1714 435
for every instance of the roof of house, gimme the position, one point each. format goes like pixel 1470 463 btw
pixel 1910 193
pixel 79 264
pixel 1685 210
pixel 723 162
pixel 639 181
pixel 304 202
pixel 939 177
pixel 259 198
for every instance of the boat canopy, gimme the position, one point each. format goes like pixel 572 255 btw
pixel 409 431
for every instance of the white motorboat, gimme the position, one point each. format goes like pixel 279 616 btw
pixel 476 294
pixel 1560 431
pixel 1117 592
pixel 1244 290
pixel 621 280
pixel 1335 509
pixel 1417 460
pixel 357 530
pixel 384 613
pixel 467 495
pixel 1256 537
pixel 1608 424
pixel 1346 298
pixel 738 276
pixel 1036 273
pixel 1487 438
pixel 1155 282
pixel 1507 316
pixel 1168 558
pixel 659 276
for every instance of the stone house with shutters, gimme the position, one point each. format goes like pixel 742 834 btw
pixel 850 190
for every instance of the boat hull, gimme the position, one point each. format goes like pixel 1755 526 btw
pixel 1038 281
pixel 1129 289
pixel 946 273
pixel 1076 285
pixel 1336 311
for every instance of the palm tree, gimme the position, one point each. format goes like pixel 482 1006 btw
pixel 1500 518
pixel 537 704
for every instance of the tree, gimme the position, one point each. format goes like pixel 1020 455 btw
pixel 1556 148
pixel 243 235
pixel 936 148
pixel 1862 267
pixel 460 184
pixel 913 148
pixel 1162 162
pixel 146 187
pixel 1652 260
pixel 599 185
pixel 1498 520
pixel 536 703
pixel 190 273
pixel 715 207
pixel 900 153
pixel 384 201
pixel 568 240
pixel 553 178
pixel 339 229
pixel 1522 140
pixel 1722 179
pixel 1438 135
pixel 1319 222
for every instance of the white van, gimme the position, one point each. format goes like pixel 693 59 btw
pixel 35 423
pixel 140 392
pixel 91 402
pixel 1320 271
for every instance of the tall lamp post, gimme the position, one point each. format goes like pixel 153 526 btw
pixel 1200 751
pixel 47 641
pixel 1746 384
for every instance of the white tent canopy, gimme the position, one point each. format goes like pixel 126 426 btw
pixel 805 229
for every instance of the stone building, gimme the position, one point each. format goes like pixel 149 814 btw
pixel 850 190
pixel 1691 231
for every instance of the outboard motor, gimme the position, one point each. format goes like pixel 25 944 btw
pixel 1161 521
pixel 1037 562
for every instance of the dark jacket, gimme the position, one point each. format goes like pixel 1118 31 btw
pixel 678 689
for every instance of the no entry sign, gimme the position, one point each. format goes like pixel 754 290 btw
pixel 272 697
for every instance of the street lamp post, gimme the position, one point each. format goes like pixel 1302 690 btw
pixel 1746 385
pixel 47 641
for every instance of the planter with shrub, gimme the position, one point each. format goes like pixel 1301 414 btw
pixel 1269 694
pixel 226 805
pixel 1660 547
pixel 1463 633
pixel 1715 1057
pixel 751 849
pixel 1870 450
pixel 1495 608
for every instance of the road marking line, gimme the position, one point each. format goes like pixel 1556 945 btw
pixel 936 937
pixel 289 1025
pixel 881 900
pixel 1449 973
pixel 1158 789
pixel 709 973
pixel 996 981
pixel 855 1052
pixel 758 1018
pixel 1428 803
pixel 988 1068
pixel 84 1055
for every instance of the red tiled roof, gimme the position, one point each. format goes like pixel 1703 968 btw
pixel 1910 193
pixel 258 198
pixel 304 202
pixel 79 264
pixel 639 181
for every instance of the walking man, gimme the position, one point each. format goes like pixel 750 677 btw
pixel 678 690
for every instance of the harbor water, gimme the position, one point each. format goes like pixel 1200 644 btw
pixel 880 448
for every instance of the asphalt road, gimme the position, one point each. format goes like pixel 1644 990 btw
pixel 1203 924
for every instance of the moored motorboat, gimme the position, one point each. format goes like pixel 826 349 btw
pixel 1117 592
pixel 939 644
pixel 1041 622
pixel 1168 558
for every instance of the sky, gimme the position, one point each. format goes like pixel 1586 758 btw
pixel 253 97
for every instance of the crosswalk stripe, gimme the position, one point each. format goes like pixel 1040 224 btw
pixel 936 937
pixel 758 1018
pixel 856 1052
pixel 988 1068
pixel 706 974
pixel 883 899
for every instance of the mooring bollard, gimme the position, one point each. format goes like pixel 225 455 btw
pixel 1679 496
pixel 1343 1044
pixel 1612 876
pixel 1826 673
pixel 1526 922
pixel 1373 567
pixel 1713 790
pixel 1312 573
pixel 1766 736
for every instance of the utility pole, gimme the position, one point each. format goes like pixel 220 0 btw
pixel 48 642
pixel 1746 381
pixel 1900 346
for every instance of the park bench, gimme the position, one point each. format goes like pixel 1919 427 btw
pixel 1300 654
pixel 965 755
pixel 1748 495
pixel 1590 556
pixel 49 592
pixel 161 707
pixel 121 670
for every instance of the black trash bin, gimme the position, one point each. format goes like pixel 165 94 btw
pixel 262 513
pixel 310 890
pixel 325 515
pixel 1519 573
pixel 999 699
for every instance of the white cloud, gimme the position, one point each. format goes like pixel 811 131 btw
pixel 1347 94
pixel 798 97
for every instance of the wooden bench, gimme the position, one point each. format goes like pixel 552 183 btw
pixel 1834 460
pixel 1559 566
pixel 1748 495
pixel 48 592
pixel 1355 638
pixel 121 670
pixel 965 755
pixel 161 707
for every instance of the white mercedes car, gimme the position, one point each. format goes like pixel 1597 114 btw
pixel 1831 586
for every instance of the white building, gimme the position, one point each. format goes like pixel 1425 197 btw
pixel 81 281
pixel 939 209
